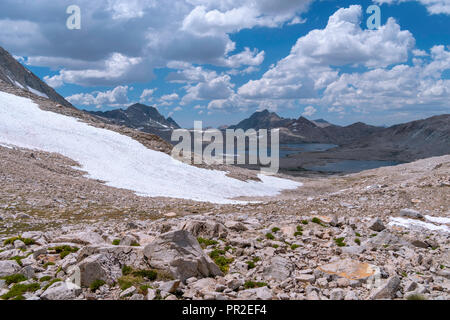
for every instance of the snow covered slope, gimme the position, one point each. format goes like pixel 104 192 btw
pixel 119 160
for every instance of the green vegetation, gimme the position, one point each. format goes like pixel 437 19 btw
pixel 251 264
pixel 135 244
pixel 294 246
pixel 24 240
pixel 64 250
pixel 51 283
pixel 206 242
pixel 48 264
pixel 305 222
pixel 17 291
pixel 358 234
pixel 96 285
pixel 358 242
pixel 318 221
pixel 18 259
pixel 275 230
pixel 442 267
pixel 116 242
pixel 340 242
pixel 14 278
pixel 270 236
pixel 252 285
pixel 299 231
pixel 416 297
pixel 45 278
pixel 148 274
pixel 373 235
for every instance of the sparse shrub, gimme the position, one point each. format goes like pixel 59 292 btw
pixel 45 278
pixel 358 234
pixel 126 270
pixel 14 278
pixel 18 259
pixel 148 274
pixel 206 242
pixel 358 242
pixel 294 246
pixel 340 242
pixel 416 297
pixel 17 291
pixel 24 240
pixel 116 242
pixel 64 250
pixel 96 285
pixel 47 264
pixel 270 236
pixel 252 284
pixel 251 265
pixel 305 222
pixel 275 230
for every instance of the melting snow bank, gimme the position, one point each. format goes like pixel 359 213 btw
pixel 121 161
pixel 417 224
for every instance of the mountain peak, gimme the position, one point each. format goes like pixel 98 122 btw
pixel 14 73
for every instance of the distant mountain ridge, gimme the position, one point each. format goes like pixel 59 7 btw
pixel 14 73
pixel 304 130
pixel 141 117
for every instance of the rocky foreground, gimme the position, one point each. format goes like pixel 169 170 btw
pixel 233 256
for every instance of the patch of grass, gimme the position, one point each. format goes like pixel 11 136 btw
pixel 404 274
pixel 64 250
pixel 252 284
pixel 270 236
pixel 129 281
pixel 294 246
pixel 442 267
pixel 96 285
pixel 275 230
pixel 116 242
pixel 51 283
pixel 17 291
pixel 223 263
pixel 251 265
pixel 358 234
pixel 373 235
pixel 275 246
pixel 18 259
pixel 318 221
pixel 45 278
pixel 24 240
pixel 298 234
pixel 47 264
pixel 305 222
pixel 416 297
pixel 143 289
pixel 340 242
pixel 206 242
pixel 14 278
pixel 358 242
pixel 135 244
pixel 126 270
pixel 148 274
pixel 256 259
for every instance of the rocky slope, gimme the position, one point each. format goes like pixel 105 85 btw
pixel 143 118
pixel 14 73
pixel 381 234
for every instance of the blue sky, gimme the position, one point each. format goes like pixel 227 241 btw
pixel 220 61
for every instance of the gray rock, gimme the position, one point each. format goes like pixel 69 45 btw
pixel 19 244
pixel 309 278
pixel 263 293
pixel 128 240
pixel 180 253
pixel 128 292
pixel 151 294
pixel 99 267
pixel 351 295
pixel 137 296
pixel 83 238
pixel 170 286
pixel 387 290
pixel 337 294
pixel 419 244
pixel 61 291
pixel 209 229
pixel 376 225
pixel 236 226
pixel 9 267
pixel 410 213
pixel 278 268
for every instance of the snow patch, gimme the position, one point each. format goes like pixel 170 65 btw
pixel 417 224
pixel 121 161
pixel 38 93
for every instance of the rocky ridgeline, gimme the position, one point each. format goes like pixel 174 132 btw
pixel 227 257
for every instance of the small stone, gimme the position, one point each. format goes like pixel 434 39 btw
pixel 137 297
pixel 410 213
pixel 351 295
pixel 310 278
pixel 18 244
pixel 170 286
pixel 337 294
pixel 61 291
pixel 128 292
pixel 387 290
pixel 376 225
